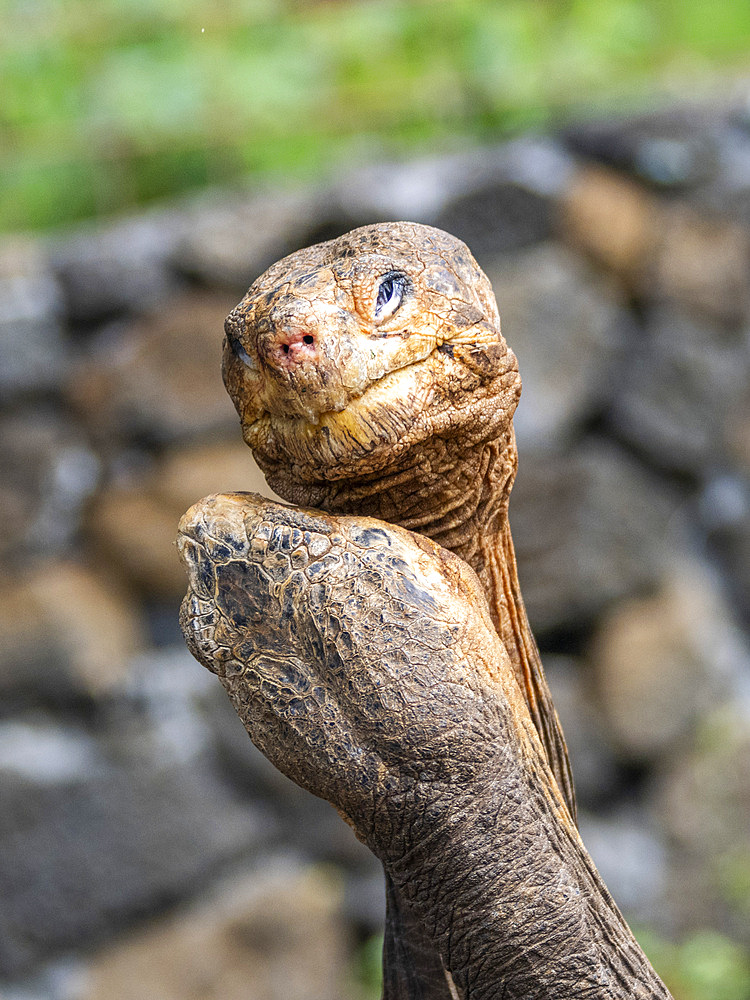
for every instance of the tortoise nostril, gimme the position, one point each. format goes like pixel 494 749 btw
pixel 288 346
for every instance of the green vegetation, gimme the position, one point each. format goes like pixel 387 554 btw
pixel 117 102
pixel 368 971
pixel 706 966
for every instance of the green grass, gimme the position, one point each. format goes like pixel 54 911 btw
pixel 112 103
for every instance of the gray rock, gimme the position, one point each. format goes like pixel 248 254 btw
pixel 724 503
pixel 229 239
pixel 724 509
pixel 48 474
pixel 94 833
pixel 727 192
pixel 678 390
pixel 595 770
pixel 632 857
pixel 34 354
pixel 662 661
pixel 563 322
pixel 675 148
pixel 423 188
pixel 61 979
pixel 121 268
pixel 497 218
pixel 179 697
pixel 589 529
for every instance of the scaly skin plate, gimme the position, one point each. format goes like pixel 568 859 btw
pixel 364 663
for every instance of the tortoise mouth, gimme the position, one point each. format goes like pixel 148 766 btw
pixel 451 392
pixel 381 418
pixel 315 391
pixel 357 401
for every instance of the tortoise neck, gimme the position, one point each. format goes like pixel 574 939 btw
pixel 498 871
pixel 453 492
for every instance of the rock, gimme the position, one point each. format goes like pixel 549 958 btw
pixel 676 148
pixel 724 509
pixel 539 164
pixel 61 979
pixel 134 526
pixel 98 830
pixel 168 693
pixel 595 771
pixel 498 218
pixel 703 804
pixel 679 389
pixel 660 662
pixel 179 696
pixel 589 528
pixel 661 251
pixel 33 351
pixel 116 269
pixel 423 188
pixel 613 220
pixel 228 240
pixel 135 533
pixel 271 934
pixel 632 857
pixel 49 472
pixel 702 263
pixel 737 433
pixel 727 193
pixel 724 503
pixel 184 475
pixel 158 380
pixel 562 321
pixel 66 632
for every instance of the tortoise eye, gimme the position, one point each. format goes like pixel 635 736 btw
pixel 390 293
pixel 239 351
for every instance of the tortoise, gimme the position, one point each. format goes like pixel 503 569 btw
pixel 374 641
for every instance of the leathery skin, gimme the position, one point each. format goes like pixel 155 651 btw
pixel 400 409
pixel 364 662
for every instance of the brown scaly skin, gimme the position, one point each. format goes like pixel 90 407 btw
pixel 364 663
pixel 405 416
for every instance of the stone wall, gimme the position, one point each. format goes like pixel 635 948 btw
pixel 146 848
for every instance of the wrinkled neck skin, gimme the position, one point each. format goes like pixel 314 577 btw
pixel 520 912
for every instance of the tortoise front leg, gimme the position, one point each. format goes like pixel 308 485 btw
pixel 363 662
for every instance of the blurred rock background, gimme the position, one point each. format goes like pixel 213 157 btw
pixel 146 848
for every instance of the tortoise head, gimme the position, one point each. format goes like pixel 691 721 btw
pixel 345 355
